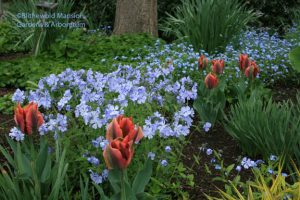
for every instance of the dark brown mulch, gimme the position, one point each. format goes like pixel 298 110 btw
pixel 6 123
pixel 4 91
pixel 13 56
pixel 216 139
pixel 283 91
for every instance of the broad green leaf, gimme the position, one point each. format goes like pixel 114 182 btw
pixel 42 159
pixel 142 178
pixel 114 178
pixel 130 195
pixel 145 196
pixel 101 192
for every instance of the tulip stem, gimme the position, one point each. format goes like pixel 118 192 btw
pixel 123 192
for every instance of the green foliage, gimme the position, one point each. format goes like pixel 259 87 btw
pixel 294 56
pixel 102 12
pixel 208 24
pixel 30 173
pixel 264 186
pixel 6 105
pixel 98 12
pixel 245 88
pixel 124 190
pixel 37 38
pixel 278 14
pixel 78 44
pixel 77 50
pixel 265 128
pixel 210 103
pixel 9 39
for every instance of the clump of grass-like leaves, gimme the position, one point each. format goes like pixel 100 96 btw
pixel 265 187
pixel 33 31
pixel 265 128
pixel 208 24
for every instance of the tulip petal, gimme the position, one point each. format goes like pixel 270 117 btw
pixel 211 81
pixel 113 131
pixel 31 120
pixel 117 159
pixel 138 135
pixel 19 117
pixel 126 125
pixel 107 158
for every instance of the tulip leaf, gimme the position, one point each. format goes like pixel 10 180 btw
pixel 294 56
pixel 114 178
pixel 145 196
pixel 101 192
pixel 129 192
pixel 142 178
pixel 46 171
pixel 42 158
pixel 116 196
pixel 7 156
pixel 23 164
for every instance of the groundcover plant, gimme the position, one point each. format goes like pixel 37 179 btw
pixel 162 121
pixel 78 105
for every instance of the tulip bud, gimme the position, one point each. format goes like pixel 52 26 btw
pixel 118 154
pixel 252 70
pixel 211 81
pixel 29 119
pixel 122 127
pixel 121 134
pixel 202 62
pixel 218 66
pixel 244 61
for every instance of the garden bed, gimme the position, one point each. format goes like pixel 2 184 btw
pixel 197 122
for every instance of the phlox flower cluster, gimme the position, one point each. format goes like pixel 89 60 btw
pixel 270 51
pixel 159 124
pixel 97 98
pixel 98 178
pixel 94 99
pixel 16 134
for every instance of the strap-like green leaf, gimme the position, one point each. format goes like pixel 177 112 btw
pixel 142 178
pixel 145 196
pixel 114 178
pixel 101 192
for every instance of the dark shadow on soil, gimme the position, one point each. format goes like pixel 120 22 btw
pixel 218 139
pixel 13 56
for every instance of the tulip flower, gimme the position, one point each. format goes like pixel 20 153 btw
pixel 252 70
pixel 118 153
pixel 28 119
pixel 244 62
pixel 202 62
pixel 218 66
pixel 122 127
pixel 211 81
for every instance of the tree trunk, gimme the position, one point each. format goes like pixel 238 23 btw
pixel 136 16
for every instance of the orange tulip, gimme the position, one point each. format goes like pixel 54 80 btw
pixel 218 66
pixel 211 81
pixel 202 62
pixel 244 61
pixel 118 153
pixel 29 119
pixel 122 127
pixel 252 70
